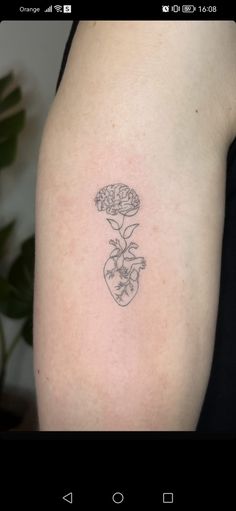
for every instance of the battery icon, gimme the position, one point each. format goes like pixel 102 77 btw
pixel 188 8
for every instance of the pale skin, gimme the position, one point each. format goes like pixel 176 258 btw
pixel 151 105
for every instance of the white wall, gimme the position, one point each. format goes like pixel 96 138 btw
pixel 33 50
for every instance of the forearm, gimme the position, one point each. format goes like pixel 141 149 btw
pixel 145 365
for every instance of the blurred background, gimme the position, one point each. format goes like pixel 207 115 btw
pixel 32 51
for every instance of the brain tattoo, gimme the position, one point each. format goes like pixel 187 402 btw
pixel 116 199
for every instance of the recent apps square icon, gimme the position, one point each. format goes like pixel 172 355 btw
pixel 168 498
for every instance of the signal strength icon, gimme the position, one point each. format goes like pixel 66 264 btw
pixel 58 8
pixel 49 9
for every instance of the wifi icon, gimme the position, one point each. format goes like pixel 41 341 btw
pixel 58 8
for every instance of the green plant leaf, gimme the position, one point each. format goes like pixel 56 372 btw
pixel 7 151
pixel 4 82
pixel 5 291
pixel 21 279
pixel 10 100
pixel 18 303
pixel 14 307
pixel 27 331
pixel 5 233
pixel 12 125
pixel 11 303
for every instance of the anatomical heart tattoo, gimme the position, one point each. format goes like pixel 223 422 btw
pixel 122 268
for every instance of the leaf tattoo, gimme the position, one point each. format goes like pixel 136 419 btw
pixel 113 223
pixel 129 231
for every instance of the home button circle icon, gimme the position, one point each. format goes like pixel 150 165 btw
pixel 118 497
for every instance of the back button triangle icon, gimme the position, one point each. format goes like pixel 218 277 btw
pixel 68 497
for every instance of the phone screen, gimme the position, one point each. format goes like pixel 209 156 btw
pixel 117 255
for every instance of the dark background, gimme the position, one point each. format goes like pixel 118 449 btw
pixel 40 468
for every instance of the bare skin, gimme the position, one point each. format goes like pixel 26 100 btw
pixel 151 105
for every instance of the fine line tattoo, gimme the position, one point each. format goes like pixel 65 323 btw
pixel 122 268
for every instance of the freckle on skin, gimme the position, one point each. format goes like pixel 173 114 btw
pixel 196 111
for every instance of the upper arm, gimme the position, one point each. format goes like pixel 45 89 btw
pixel 127 112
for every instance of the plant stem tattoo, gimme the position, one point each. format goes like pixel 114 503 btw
pixel 122 268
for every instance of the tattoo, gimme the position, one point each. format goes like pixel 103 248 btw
pixel 122 268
